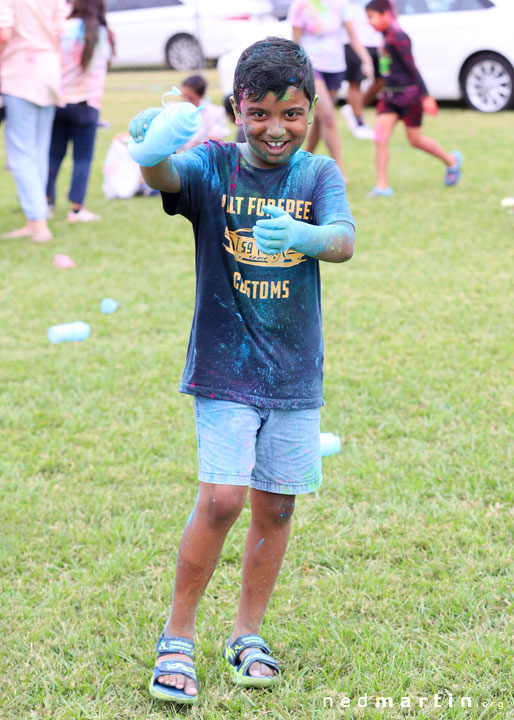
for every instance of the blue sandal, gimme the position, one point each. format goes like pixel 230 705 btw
pixel 452 175
pixel 379 192
pixel 165 645
pixel 261 654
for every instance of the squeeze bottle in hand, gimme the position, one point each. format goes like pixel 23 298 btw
pixel 168 131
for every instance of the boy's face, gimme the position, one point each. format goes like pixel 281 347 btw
pixel 379 21
pixel 275 128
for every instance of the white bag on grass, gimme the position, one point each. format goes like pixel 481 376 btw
pixel 122 176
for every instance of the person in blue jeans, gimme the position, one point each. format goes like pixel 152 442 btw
pixel 264 213
pixel 30 77
pixel 86 48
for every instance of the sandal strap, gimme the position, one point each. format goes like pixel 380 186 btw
pixel 174 644
pixel 174 667
pixel 257 656
pixel 233 649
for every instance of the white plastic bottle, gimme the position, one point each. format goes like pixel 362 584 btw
pixel 74 331
pixel 168 131
pixel 330 444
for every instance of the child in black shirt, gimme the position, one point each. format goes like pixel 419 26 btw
pixel 405 97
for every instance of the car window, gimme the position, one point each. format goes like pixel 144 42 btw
pixel 118 5
pixel 411 7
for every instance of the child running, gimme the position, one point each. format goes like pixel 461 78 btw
pixel 264 213
pixel 405 97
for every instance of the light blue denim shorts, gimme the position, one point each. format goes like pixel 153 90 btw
pixel 273 450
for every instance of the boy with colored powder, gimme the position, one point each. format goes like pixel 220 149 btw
pixel 405 97
pixel 264 213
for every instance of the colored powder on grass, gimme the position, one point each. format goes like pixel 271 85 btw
pixel 63 261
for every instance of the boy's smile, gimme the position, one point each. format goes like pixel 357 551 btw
pixel 275 128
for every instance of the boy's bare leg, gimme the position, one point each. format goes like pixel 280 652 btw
pixel 216 510
pixel 422 142
pixel 383 130
pixel 265 547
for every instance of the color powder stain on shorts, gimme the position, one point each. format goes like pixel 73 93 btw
pixel 260 542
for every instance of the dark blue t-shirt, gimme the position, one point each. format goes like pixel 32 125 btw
pixel 256 335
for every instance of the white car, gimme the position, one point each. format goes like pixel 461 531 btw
pixel 464 49
pixel 183 34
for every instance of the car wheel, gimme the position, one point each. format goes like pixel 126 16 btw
pixel 488 83
pixel 183 53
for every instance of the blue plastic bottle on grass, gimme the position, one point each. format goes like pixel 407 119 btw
pixel 168 131
pixel 330 444
pixel 74 332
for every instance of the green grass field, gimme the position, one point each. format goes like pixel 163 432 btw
pixel 398 578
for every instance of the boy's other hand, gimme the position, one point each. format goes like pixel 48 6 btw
pixel 279 233
pixel 141 122
pixel 429 105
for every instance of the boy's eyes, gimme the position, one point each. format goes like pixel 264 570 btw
pixel 260 114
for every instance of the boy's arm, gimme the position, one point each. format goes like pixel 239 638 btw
pixel 404 48
pixel 332 243
pixel 163 176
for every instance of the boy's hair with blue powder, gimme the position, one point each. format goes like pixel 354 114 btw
pixel 273 65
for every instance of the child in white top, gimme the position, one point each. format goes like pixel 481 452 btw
pixel 214 122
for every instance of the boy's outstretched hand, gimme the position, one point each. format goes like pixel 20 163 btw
pixel 279 233
pixel 333 242
pixel 141 122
